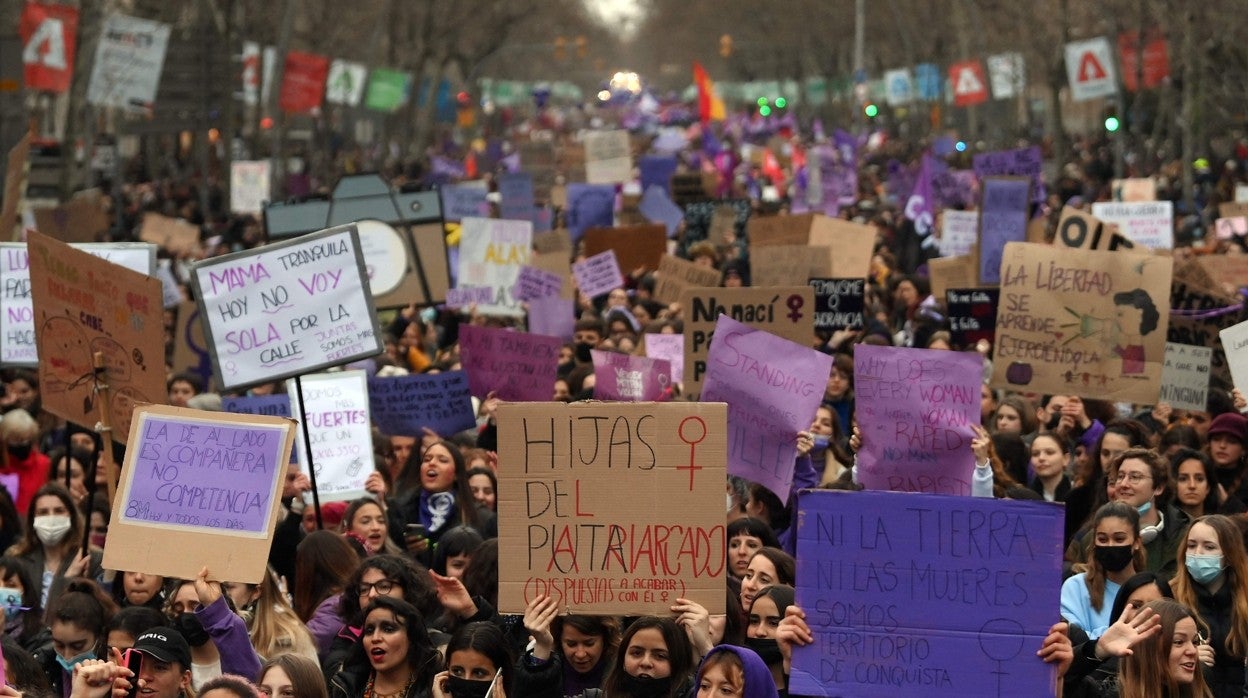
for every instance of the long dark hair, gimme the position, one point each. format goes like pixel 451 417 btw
pixel 679 656
pixel 411 577
pixel 32 616
pixel 486 639
pixel 1130 586
pixel 30 542
pixel 409 480
pixel 323 564
pixel 422 658
pixel 1212 499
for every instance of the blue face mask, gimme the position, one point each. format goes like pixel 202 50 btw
pixel 1145 507
pixel 69 664
pixel 1204 568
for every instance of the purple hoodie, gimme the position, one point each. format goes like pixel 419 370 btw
pixel 758 681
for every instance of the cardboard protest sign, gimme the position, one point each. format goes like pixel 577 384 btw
pixel 787 265
pixel 785 311
pixel 850 245
pixel 1235 344
pixel 675 275
pixel 491 253
pixel 959 231
pixel 1232 209
pixel 532 283
pixel 1230 228
pixel 1021 162
pixel 1185 377
pixel 898 611
pixel 598 275
pixel 78 220
pixel 555 265
pixel 129 57
pixel 287 308
pixel 190 346
pixel 1134 189
pixel 634 245
pixel 568 533
pixel 772 387
pixel 174 234
pixel 1147 223
pixel 629 378
pixel 779 230
pixel 916 409
pixel 1226 269
pixel 14 176
pixel 403 405
pixel 1085 323
pixel 335 414
pixel 951 272
pixel 1002 219
pixel 553 241
pixel 83 305
pixel 608 157
pixel 208 482
pixel 1083 231
pixel 839 303
pixel 552 317
pixel 1201 310
pixel 517 366
pixel 972 314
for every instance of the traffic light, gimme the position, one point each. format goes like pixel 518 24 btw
pixel 781 102
pixel 725 45
pixel 764 106
pixel 871 111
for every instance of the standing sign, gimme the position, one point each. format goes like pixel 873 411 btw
pixel 1185 377
pixel 208 482
pixel 128 61
pixel 1002 219
pixel 1147 223
pixel 491 253
pixel 338 425
pixel 972 314
pixel 406 404
pixel 1075 322
pixel 916 408
pixel 516 366
pixel 970 87
pixel 785 311
pixel 571 533
pixel 49 37
pixel 896 607
pixel 288 308
pixel 83 305
pixel 772 387
pixel 1090 69
pixel 628 378
pixel 839 303
pixel 249 185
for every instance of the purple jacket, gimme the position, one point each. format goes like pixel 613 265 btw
pixel 229 633
pixel 325 624
pixel 804 477
pixel 758 680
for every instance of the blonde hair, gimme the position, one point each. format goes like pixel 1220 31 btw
pixel 18 422
pixel 1235 567
pixel 275 629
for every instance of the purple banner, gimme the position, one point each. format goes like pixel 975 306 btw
pixel 772 387
pixel 1023 162
pixel 552 316
pixel 598 275
pixel 658 207
pixel 515 191
pixel 1002 219
pixel 518 366
pixel 204 474
pixel 630 378
pixel 533 283
pixel 465 296
pixel 403 405
pixel 921 206
pixel 910 595
pixel 461 201
pixel 915 409
pixel 589 206
pixel 268 405
pixel 657 170
pixel 670 347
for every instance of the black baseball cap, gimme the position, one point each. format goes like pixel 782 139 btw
pixel 165 644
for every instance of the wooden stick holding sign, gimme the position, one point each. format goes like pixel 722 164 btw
pixel 105 428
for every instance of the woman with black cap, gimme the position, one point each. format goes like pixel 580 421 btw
pixel 165 670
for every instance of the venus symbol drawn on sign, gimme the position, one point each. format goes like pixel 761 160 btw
pixel 795 303
pixel 693 446
pixel 1001 640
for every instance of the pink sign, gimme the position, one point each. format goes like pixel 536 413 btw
pixel 670 347
pixel 598 275
pixel 630 378
pixel 916 409
pixel 518 366
pixel 773 387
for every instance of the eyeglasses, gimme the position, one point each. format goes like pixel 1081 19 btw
pixel 383 587
pixel 1133 478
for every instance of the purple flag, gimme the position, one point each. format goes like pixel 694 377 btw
pixel 518 366
pixel 772 387
pixel 589 206
pixel 921 206
pixel 915 409
pixel 630 378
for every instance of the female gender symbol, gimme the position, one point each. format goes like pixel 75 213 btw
pixel 693 444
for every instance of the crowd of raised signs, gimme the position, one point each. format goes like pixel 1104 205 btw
pixel 394 595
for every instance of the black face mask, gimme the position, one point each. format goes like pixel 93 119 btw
pixel 459 687
pixel 644 686
pixel 193 630
pixel 766 648
pixel 1114 558
pixel 20 451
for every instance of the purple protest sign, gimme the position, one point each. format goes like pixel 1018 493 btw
pixel 598 275
pixel 630 378
pixel 552 316
pixel 772 387
pixel 658 207
pixel 1023 162
pixel 518 366
pixel 657 170
pixel 899 611
pixel 460 201
pixel 916 409
pixel 1002 219
pixel 515 191
pixel 589 206
pixel 533 283
pixel 465 296
pixel 270 405
pixel 404 405
pixel 671 348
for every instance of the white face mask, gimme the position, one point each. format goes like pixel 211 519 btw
pixel 51 529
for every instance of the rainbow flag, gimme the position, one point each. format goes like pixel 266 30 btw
pixel 710 106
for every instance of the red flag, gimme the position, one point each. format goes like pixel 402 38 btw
pixel 710 106
pixel 1156 58
pixel 49 34
pixel 303 82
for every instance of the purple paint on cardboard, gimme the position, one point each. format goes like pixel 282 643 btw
pixel 630 378
pixel 518 366
pixel 553 317
pixel 670 347
pixel 772 387
pixel 916 409
pixel 598 275
pixel 589 206
pixel 403 405
pixel 533 283
pixel 886 568
pixel 205 471
pixel 1002 219
pixel 658 207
